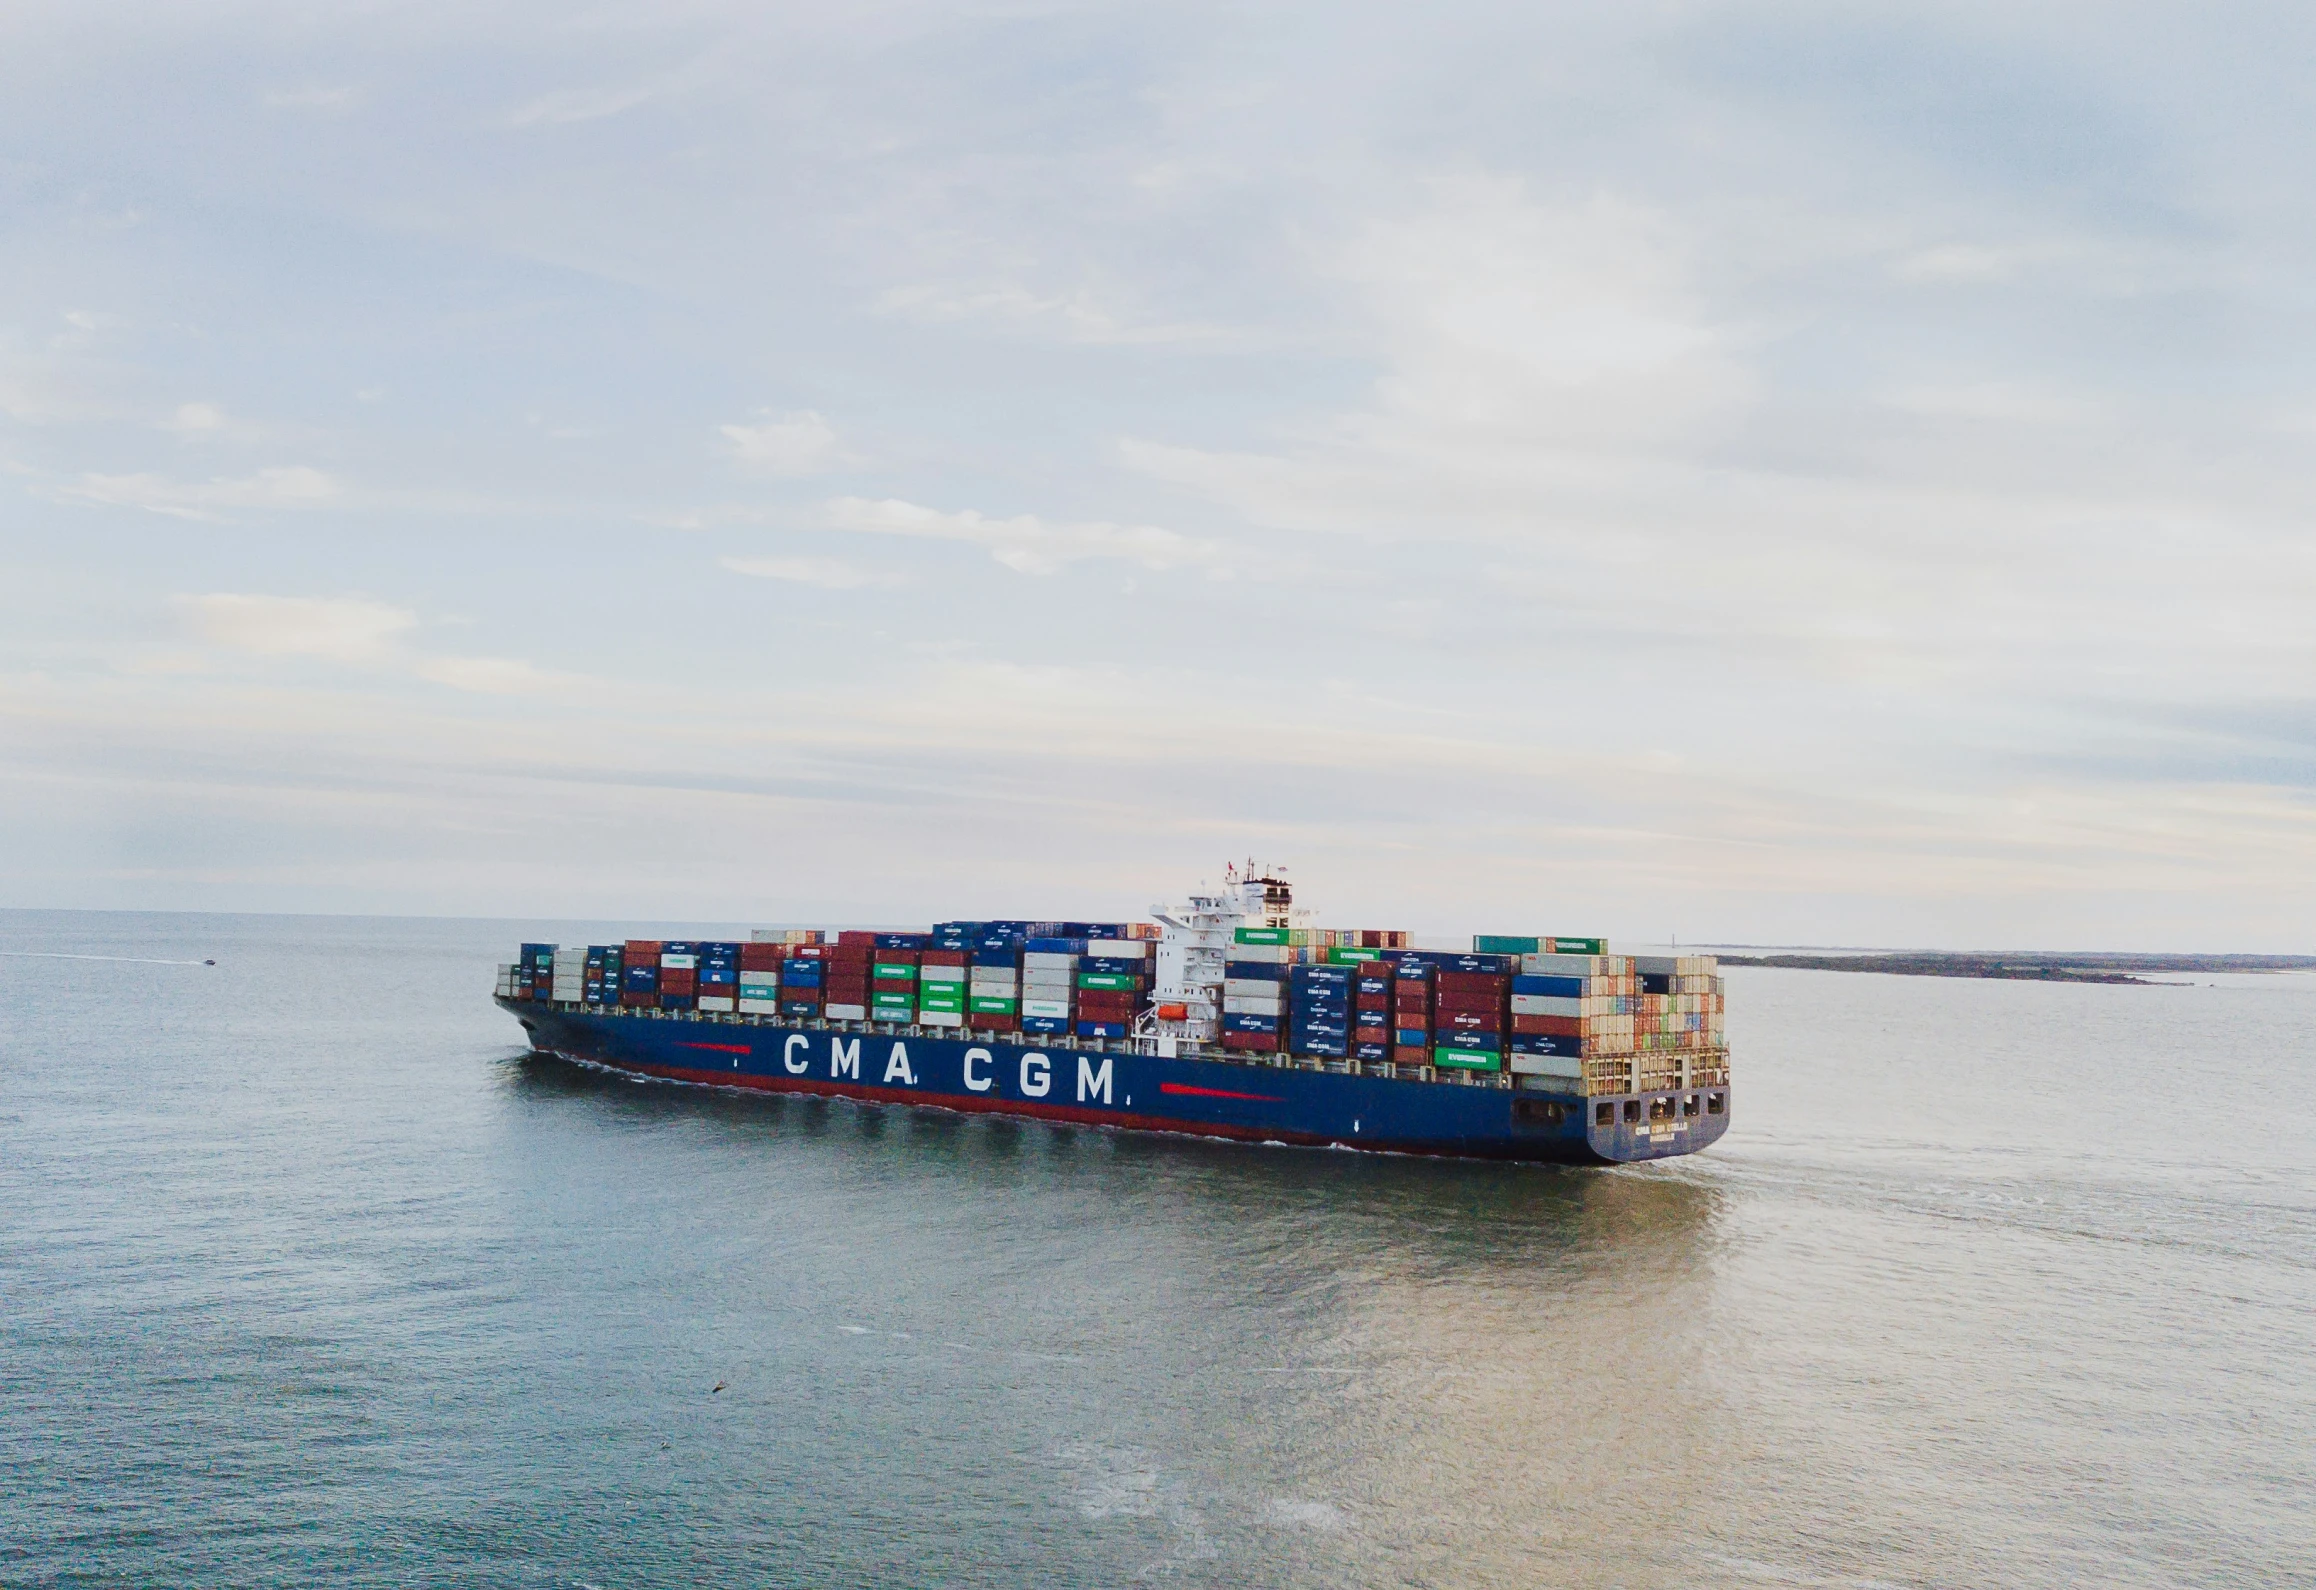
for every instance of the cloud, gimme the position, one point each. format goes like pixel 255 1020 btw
pixel 1551 321
pixel 314 98
pixel 289 487
pixel 493 676
pixel 829 574
pixel 566 105
pixel 349 630
pixel 194 418
pixel 799 443
pixel 2003 402
pixel 1028 544
pixel 1077 312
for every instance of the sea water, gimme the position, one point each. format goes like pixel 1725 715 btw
pixel 309 1274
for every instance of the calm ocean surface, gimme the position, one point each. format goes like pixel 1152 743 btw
pixel 308 1276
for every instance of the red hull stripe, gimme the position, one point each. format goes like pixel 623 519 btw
pixel 1216 1093
pixel 720 1048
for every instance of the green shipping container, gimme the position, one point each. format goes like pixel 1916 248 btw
pixel 1345 955
pixel 1499 944
pixel 1468 1059
pixel 883 969
pixel 995 1007
pixel 1262 935
pixel 1105 980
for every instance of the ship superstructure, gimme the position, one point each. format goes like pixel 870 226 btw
pixel 1194 942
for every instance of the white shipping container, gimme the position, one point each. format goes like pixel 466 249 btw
pixel 1119 949
pixel 845 1012
pixel 940 974
pixel 1271 954
pixel 1046 961
pixel 679 963
pixel 995 977
pixel 1567 965
pixel 1249 1007
pixel 939 1018
pixel 1546 1065
pixel 1252 988
pixel 719 1003
pixel 759 1007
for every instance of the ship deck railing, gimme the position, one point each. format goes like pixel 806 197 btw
pixel 1642 1071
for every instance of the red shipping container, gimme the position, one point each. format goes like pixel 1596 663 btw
pixel 810 952
pixel 678 982
pixel 1096 1005
pixel 942 958
pixel 857 938
pixel 762 957
pixel 631 997
pixel 1371 1002
pixel 642 950
pixel 850 954
pixel 1264 1042
pixel 1473 983
pixel 1481 1004
pixel 1410 1057
pixel 985 1022
pixel 1549 1026
pixel 894 985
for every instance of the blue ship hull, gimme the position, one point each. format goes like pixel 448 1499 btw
pixel 1137 1092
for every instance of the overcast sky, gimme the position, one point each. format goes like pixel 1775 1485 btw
pixel 1756 472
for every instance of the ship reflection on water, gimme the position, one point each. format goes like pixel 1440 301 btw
pixel 1422 1366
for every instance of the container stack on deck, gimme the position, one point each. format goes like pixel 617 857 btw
pixel 846 971
pixel 1371 978
pixel 993 971
pixel 1255 989
pixel 892 973
pixel 1320 1021
pixel 1113 982
pixel 1049 983
pixel 940 987
pixel 1562 1013
pixel 804 980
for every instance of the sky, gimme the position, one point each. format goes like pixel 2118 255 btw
pixel 1756 473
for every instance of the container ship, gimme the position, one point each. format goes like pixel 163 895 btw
pixel 1228 1015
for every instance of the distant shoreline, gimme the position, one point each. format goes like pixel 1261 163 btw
pixel 2027 966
